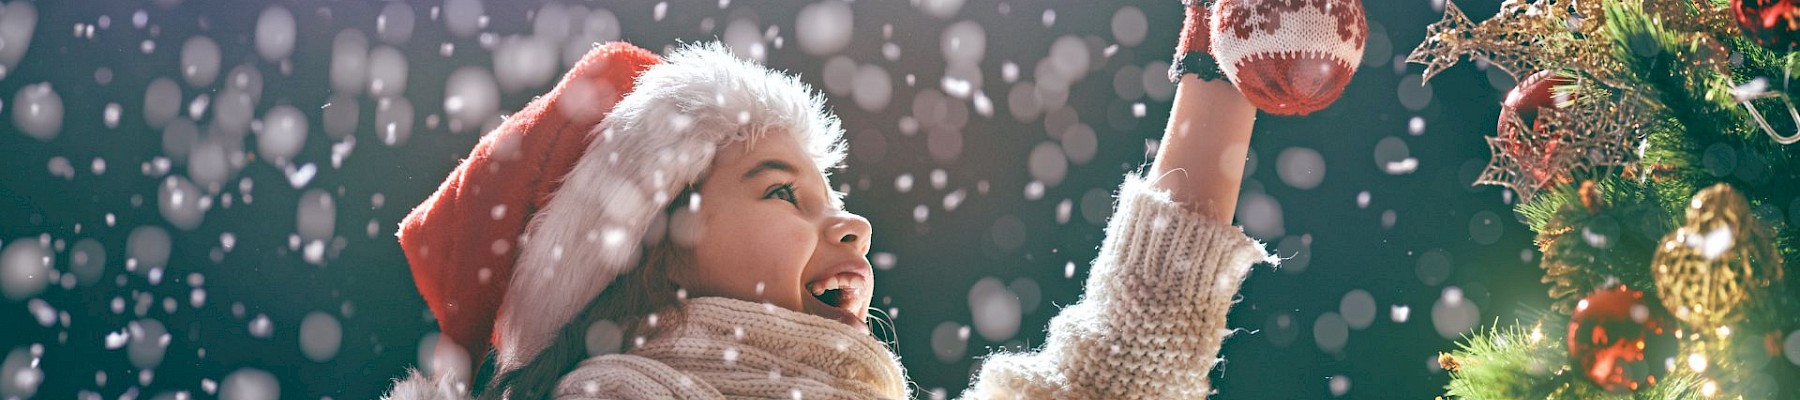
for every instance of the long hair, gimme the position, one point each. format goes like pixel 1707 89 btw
pixel 642 301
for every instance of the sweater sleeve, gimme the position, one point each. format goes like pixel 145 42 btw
pixel 1152 317
pixel 629 377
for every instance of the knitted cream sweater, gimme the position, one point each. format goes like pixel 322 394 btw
pixel 1148 326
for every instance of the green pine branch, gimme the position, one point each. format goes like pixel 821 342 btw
pixel 1519 362
pixel 1702 136
pixel 1708 137
pixel 1586 247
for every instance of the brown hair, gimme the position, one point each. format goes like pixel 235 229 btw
pixel 630 301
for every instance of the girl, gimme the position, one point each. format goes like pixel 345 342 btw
pixel 689 245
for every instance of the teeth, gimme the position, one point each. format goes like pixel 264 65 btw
pixel 834 282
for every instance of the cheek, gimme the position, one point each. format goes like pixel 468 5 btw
pixel 773 245
pixel 740 249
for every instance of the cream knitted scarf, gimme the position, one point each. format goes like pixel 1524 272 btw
pixel 757 350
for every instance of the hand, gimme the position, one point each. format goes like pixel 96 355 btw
pixel 1193 53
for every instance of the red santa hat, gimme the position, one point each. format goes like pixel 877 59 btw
pixel 554 204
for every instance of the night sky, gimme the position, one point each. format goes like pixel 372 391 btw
pixel 987 182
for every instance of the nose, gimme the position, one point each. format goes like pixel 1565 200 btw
pixel 849 229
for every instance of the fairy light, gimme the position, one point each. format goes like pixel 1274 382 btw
pixel 1709 389
pixel 1696 362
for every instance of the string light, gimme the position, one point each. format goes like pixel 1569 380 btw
pixel 1696 362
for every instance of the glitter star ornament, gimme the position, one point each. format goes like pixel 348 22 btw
pixel 1620 341
pixel 1289 57
pixel 1588 128
pixel 1526 160
pixel 1523 38
pixel 1707 269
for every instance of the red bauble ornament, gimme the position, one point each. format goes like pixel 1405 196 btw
pixel 1772 23
pixel 1289 57
pixel 1535 92
pixel 1538 154
pixel 1620 341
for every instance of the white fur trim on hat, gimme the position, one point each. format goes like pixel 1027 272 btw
pixel 418 386
pixel 660 138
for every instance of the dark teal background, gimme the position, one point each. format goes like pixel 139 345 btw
pixel 937 260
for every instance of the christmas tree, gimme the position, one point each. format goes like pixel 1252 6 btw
pixel 1646 147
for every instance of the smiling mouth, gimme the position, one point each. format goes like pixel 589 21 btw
pixel 835 297
pixel 839 297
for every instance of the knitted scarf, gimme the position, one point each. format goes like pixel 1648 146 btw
pixel 754 350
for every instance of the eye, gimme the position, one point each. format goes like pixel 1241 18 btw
pixel 784 191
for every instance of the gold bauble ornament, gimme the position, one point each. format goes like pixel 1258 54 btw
pixel 1708 268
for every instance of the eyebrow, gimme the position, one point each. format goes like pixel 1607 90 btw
pixel 767 165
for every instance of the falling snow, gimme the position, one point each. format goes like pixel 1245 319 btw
pixel 987 142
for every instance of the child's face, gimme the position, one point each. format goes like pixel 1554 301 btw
pixel 768 232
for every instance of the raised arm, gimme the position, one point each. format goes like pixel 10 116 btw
pixel 1152 314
